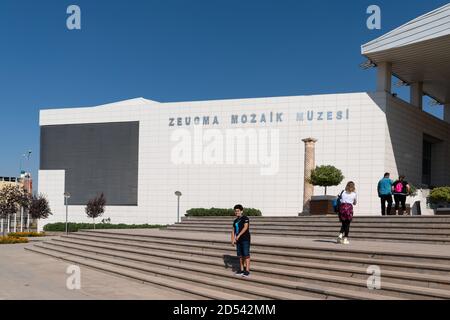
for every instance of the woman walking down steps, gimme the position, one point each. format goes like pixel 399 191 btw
pixel 348 200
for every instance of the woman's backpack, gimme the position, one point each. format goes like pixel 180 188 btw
pixel 398 188
pixel 337 202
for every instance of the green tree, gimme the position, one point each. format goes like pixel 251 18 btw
pixel 326 176
pixel 12 198
pixel 39 207
pixel 96 207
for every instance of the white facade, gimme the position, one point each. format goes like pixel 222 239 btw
pixel 353 131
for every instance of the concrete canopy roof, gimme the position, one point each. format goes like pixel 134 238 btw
pixel 419 52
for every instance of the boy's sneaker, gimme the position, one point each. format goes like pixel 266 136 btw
pixel 339 238
pixel 246 274
pixel 239 273
pixel 346 241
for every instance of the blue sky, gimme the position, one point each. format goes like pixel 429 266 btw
pixel 177 50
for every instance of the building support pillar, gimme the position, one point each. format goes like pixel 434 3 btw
pixel 416 94
pixel 310 163
pixel 384 77
pixel 447 112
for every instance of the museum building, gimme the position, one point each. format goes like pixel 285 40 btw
pixel 218 153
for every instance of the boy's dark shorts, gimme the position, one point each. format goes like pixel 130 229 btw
pixel 243 249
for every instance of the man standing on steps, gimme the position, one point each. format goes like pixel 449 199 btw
pixel 240 237
pixel 385 193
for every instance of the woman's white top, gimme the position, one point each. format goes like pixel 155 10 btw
pixel 348 197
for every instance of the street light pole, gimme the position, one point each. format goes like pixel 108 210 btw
pixel 66 197
pixel 27 157
pixel 22 171
pixel 21 163
pixel 21 219
pixel 67 215
pixel 178 194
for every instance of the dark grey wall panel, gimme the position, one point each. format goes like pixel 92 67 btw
pixel 97 157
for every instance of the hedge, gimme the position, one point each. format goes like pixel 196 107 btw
pixel 217 212
pixel 12 240
pixel 74 227
pixel 440 195
pixel 26 234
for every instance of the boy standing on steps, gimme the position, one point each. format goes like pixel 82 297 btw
pixel 240 237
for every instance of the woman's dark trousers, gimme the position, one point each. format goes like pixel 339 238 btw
pixel 345 228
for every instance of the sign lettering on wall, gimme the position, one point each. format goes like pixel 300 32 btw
pixel 260 118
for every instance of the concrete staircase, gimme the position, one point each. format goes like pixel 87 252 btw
pixel 424 229
pixel 203 264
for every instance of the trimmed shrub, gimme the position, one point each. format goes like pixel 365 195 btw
pixel 12 240
pixel 440 195
pixel 326 176
pixel 74 227
pixel 217 212
pixel 26 234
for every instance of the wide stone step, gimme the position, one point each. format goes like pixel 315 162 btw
pixel 329 228
pixel 355 223
pixel 278 249
pixel 281 268
pixel 200 292
pixel 283 289
pixel 321 259
pixel 371 219
pixel 354 234
pixel 199 283
pixel 239 286
pixel 269 267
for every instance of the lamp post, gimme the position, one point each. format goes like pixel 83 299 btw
pixel 23 176
pixel 21 163
pixel 26 156
pixel 178 194
pixel 66 198
pixel 21 219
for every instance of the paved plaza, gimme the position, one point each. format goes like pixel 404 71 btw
pixel 29 276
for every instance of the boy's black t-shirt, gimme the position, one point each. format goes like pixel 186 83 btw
pixel 238 226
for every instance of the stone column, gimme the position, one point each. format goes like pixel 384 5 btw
pixel 447 112
pixel 310 163
pixel 384 77
pixel 416 94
